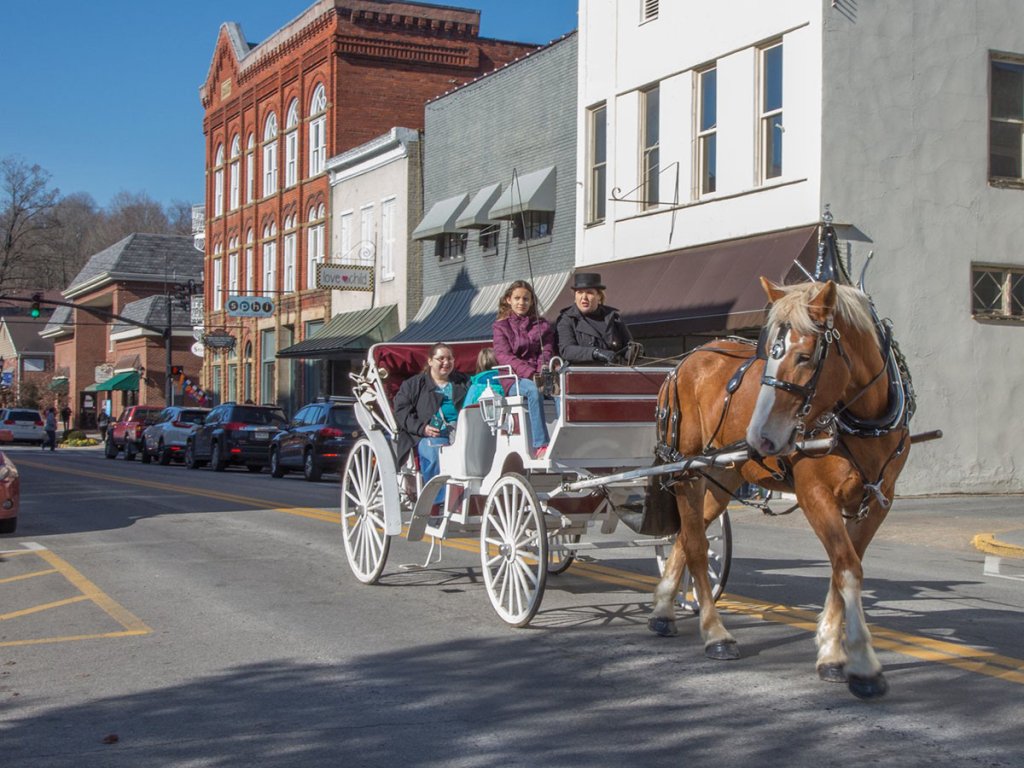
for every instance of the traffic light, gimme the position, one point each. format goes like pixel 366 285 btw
pixel 35 311
pixel 176 371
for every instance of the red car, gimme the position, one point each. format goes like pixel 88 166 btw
pixel 126 433
pixel 10 494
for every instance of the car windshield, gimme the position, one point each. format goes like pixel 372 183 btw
pixel 258 416
pixel 192 417
pixel 344 419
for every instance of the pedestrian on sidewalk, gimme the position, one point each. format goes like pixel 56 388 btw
pixel 50 426
pixel 65 417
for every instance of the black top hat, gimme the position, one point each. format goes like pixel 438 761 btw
pixel 584 280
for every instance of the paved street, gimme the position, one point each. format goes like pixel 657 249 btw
pixel 206 619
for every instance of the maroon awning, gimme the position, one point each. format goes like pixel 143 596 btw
pixel 708 288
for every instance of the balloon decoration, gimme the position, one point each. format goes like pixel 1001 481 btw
pixel 193 390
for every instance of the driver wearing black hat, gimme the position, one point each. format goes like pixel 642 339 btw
pixel 590 331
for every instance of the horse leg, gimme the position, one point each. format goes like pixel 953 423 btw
pixel 719 644
pixel 843 605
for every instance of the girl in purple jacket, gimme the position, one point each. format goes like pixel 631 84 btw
pixel 526 342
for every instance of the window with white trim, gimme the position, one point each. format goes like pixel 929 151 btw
pixel 314 243
pixel 218 282
pixel 388 209
pixel 707 131
pixel 1006 120
pixel 597 159
pixel 997 292
pixel 270 155
pixel 650 146
pixel 367 235
pixel 218 182
pixel 235 170
pixel 318 131
pixel 345 236
pixel 270 260
pixel 250 170
pixel 291 146
pixel 233 266
pixel 769 123
pixel 289 254
pixel 250 267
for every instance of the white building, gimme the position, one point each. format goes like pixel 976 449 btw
pixel 712 138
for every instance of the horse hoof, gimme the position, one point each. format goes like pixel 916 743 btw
pixel 723 650
pixel 832 673
pixel 868 687
pixel 662 626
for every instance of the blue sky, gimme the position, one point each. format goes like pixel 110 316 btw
pixel 104 94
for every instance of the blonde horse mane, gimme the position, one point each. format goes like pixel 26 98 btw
pixel 852 308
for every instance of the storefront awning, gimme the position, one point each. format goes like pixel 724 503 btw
pixel 530 192
pixel 348 333
pixel 705 289
pixel 59 384
pixel 440 219
pixel 121 382
pixel 467 315
pixel 475 215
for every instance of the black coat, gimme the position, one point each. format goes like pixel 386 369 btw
pixel 416 403
pixel 579 335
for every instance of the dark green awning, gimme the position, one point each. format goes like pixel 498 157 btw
pixel 122 382
pixel 348 333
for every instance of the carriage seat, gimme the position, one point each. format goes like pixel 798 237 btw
pixel 472 451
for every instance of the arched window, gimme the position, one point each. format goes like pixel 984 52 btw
pixel 233 266
pixel 250 267
pixel 218 182
pixel 270 155
pixel 291 145
pixel 235 182
pixel 314 243
pixel 217 267
pixel 318 131
pixel 250 169
pixel 269 260
pixel 290 247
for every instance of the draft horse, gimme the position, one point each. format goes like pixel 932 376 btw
pixel 823 359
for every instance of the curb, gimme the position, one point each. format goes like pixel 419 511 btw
pixel 989 544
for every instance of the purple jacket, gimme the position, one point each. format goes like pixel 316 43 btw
pixel 524 343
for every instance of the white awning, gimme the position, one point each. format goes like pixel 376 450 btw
pixel 530 192
pixel 474 215
pixel 440 219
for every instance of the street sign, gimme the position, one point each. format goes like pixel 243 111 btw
pixel 219 339
pixel 198 349
pixel 344 277
pixel 7 378
pixel 197 310
pixel 249 306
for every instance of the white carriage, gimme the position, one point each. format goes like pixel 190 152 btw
pixel 530 515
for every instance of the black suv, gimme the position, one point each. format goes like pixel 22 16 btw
pixel 317 440
pixel 234 434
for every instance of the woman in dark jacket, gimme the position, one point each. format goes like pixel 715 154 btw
pixel 426 408
pixel 590 331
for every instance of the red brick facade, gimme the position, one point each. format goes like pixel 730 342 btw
pixel 379 64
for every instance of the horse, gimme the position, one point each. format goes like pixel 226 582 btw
pixel 823 358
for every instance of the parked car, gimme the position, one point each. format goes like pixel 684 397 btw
pixel 126 433
pixel 10 494
pixel 233 433
pixel 165 439
pixel 23 424
pixel 316 440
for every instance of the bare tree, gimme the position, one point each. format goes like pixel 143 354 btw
pixel 26 221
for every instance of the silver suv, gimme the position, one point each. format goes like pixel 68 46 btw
pixel 165 439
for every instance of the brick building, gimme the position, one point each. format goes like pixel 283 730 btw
pixel 337 76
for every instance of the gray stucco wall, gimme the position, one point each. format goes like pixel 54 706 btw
pixel 520 118
pixel 905 161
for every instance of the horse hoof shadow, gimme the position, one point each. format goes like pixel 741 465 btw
pixel 662 626
pixel 722 650
pixel 832 673
pixel 868 687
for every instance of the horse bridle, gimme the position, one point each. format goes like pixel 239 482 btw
pixel 826 335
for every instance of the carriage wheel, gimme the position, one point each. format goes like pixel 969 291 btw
pixel 514 549
pixel 362 514
pixel 719 535
pixel 560 558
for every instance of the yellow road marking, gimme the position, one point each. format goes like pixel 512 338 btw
pixel 44 607
pixel 32 575
pixel 988 543
pixel 916 646
pixel 71 638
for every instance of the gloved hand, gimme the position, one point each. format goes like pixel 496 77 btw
pixel 603 355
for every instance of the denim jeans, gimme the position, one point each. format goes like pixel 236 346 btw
pixel 429 450
pixel 535 405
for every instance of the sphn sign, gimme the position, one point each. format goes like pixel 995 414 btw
pixel 249 306
pixel 345 277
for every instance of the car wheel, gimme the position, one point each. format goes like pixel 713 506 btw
pixel 129 451
pixel 109 449
pixel 190 457
pixel 217 462
pixel 144 455
pixel 163 454
pixel 310 470
pixel 276 470
pixel 10 525
pixel 254 468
